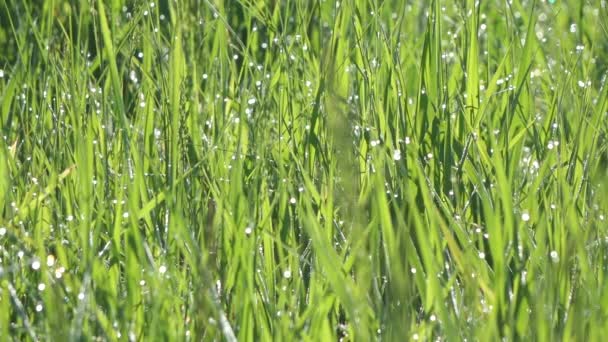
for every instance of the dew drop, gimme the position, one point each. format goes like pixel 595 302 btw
pixel 287 274
pixel 59 272
pixel 50 260
pixel 554 256
pixel 36 265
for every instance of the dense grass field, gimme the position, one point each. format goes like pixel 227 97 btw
pixel 313 170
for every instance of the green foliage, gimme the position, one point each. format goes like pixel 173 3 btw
pixel 303 170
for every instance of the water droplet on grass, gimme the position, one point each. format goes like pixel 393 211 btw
pixel 58 274
pixel 162 269
pixel 554 256
pixel 36 265
pixel 287 274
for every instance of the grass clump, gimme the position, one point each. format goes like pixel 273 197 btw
pixel 303 170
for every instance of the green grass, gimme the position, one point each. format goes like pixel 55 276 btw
pixel 303 170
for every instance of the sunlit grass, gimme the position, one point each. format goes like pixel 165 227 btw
pixel 303 170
